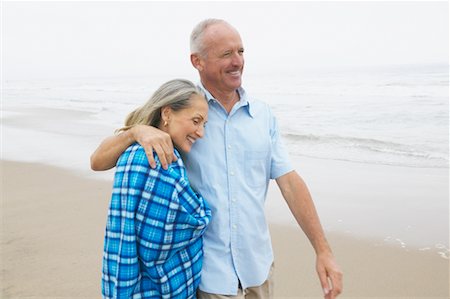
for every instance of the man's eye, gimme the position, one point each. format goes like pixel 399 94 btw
pixel 195 121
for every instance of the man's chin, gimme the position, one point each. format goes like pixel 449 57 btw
pixel 235 83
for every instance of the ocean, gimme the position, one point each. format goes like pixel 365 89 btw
pixel 393 115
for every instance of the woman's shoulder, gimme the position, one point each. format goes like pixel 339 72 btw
pixel 134 154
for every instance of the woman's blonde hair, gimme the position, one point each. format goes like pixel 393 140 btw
pixel 175 94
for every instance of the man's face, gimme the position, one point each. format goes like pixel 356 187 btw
pixel 222 66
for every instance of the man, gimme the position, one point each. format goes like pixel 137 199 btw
pixel 231 167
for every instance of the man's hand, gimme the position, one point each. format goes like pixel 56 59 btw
pixel 330 275
pixel 153 139
pixel 106 155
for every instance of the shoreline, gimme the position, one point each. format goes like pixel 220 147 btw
pixel 52 238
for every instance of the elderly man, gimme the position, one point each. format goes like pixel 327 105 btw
pixel 231 167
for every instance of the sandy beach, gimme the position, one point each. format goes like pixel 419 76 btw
pixel 361 98
pixel 52 234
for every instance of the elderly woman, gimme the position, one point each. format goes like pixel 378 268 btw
pixel 153 240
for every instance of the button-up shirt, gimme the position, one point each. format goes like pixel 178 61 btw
pixel 231 167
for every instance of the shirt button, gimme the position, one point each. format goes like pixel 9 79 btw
pixel 232 172
pixel 233 199
pixel 234 226
pixel 229 146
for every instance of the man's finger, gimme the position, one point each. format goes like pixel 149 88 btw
pixel 330 288
pixel 162 156
pixel 169 154
pixel 168 149
pixel 151 160
pixel 324 282
pixel 336 280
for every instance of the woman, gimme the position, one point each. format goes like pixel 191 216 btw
pixel 153 241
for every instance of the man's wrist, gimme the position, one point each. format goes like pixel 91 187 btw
pixel 323 248
pixel 130 136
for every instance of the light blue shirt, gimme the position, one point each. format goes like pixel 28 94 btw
pixel 231 166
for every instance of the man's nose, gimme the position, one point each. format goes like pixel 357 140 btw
pixel 238 59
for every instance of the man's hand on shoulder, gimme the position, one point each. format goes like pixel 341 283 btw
pixel 153 139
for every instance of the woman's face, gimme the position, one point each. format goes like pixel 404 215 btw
pixel 187 125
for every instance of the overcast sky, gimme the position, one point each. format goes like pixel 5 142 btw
pixel 73 39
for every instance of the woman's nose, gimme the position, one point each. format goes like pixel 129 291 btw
pixel 200 131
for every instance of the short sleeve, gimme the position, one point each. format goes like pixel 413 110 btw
pixel 280 161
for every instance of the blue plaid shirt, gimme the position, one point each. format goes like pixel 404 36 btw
pixel 153 240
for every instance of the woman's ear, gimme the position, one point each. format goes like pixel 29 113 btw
pixel 166 112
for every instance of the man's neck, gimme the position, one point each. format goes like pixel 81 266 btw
pixel 227 99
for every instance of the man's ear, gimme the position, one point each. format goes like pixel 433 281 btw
pixel 197 62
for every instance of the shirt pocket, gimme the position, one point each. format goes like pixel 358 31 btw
pixel 256 168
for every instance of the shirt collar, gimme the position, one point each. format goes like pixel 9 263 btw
pixel 244 100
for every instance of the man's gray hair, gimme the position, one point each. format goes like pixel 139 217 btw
pixel 196 41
